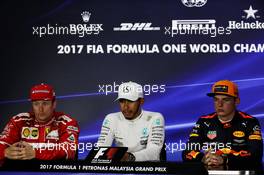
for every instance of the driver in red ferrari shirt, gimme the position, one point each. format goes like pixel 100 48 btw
pixel 41 134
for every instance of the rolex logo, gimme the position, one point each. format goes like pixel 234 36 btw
pixel 86 16
pixel 194 3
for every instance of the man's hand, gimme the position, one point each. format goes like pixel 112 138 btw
pixel 20 151
pixel 212 159
pixel 125 157
pixel 128 157
pixel 14 151
pixel 27 152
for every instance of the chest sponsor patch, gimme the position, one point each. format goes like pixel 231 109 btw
pixel 30 133
pixel 47 130
pixel 238 134
pixel 54 134
pixel 239 141
pixel 143 142
pixel 25 132
pixel 211 134
pixel 255 137
pixel 227 125
pixel 145 131
pixel 35 133
pixel 194 135
pixel 225 151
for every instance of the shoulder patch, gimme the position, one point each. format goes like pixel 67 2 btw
pixel 22 117
pixel 73 128
pixel 149 118
pixel 71 138
pixel 65 118
pixel 106 122
pixel 157 122
pixel 244 115
pixel 209 116
pixel 24 114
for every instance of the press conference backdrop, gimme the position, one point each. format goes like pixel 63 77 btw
pixel 175 49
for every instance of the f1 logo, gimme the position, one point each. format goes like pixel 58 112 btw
pixel 100 152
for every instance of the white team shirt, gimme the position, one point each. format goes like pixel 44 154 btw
pixel 144 135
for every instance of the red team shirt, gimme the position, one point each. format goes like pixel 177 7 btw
pixel 56 139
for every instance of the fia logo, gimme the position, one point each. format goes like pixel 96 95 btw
pixel 86 16
pixel 194 3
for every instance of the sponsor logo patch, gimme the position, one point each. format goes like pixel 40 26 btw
pixel 106 122
pixel 73 128
pixel 194 135
pixel 239 134
pixel 226 150
pixel 30 133
pixel 211 134
pixel 227 125
pixel 47 130
pixel 197 126
pixel 71 138
pixel 54 134
pixel 35 133
pixel 145 131
pixel 143 142
pixel 239 141
pixel 157 122
pixel 256 128
pixel 25 132
pixel 257 133
pixel 193 154
pixel 254 137
pixel 221 88
pixel 139 26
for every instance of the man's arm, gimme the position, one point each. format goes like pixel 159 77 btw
pixel 20 151
pixel 155 142
pixel 67 146
pixel 107 136
pixel 9 136
pixel 254 143
pixel 194 144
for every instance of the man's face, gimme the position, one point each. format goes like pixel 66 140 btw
pixel 225 105
pixel 43 110
pixel 130 109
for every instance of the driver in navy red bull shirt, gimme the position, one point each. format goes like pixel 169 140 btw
pixel 227 135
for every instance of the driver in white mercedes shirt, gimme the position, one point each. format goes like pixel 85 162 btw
pixel 139 130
